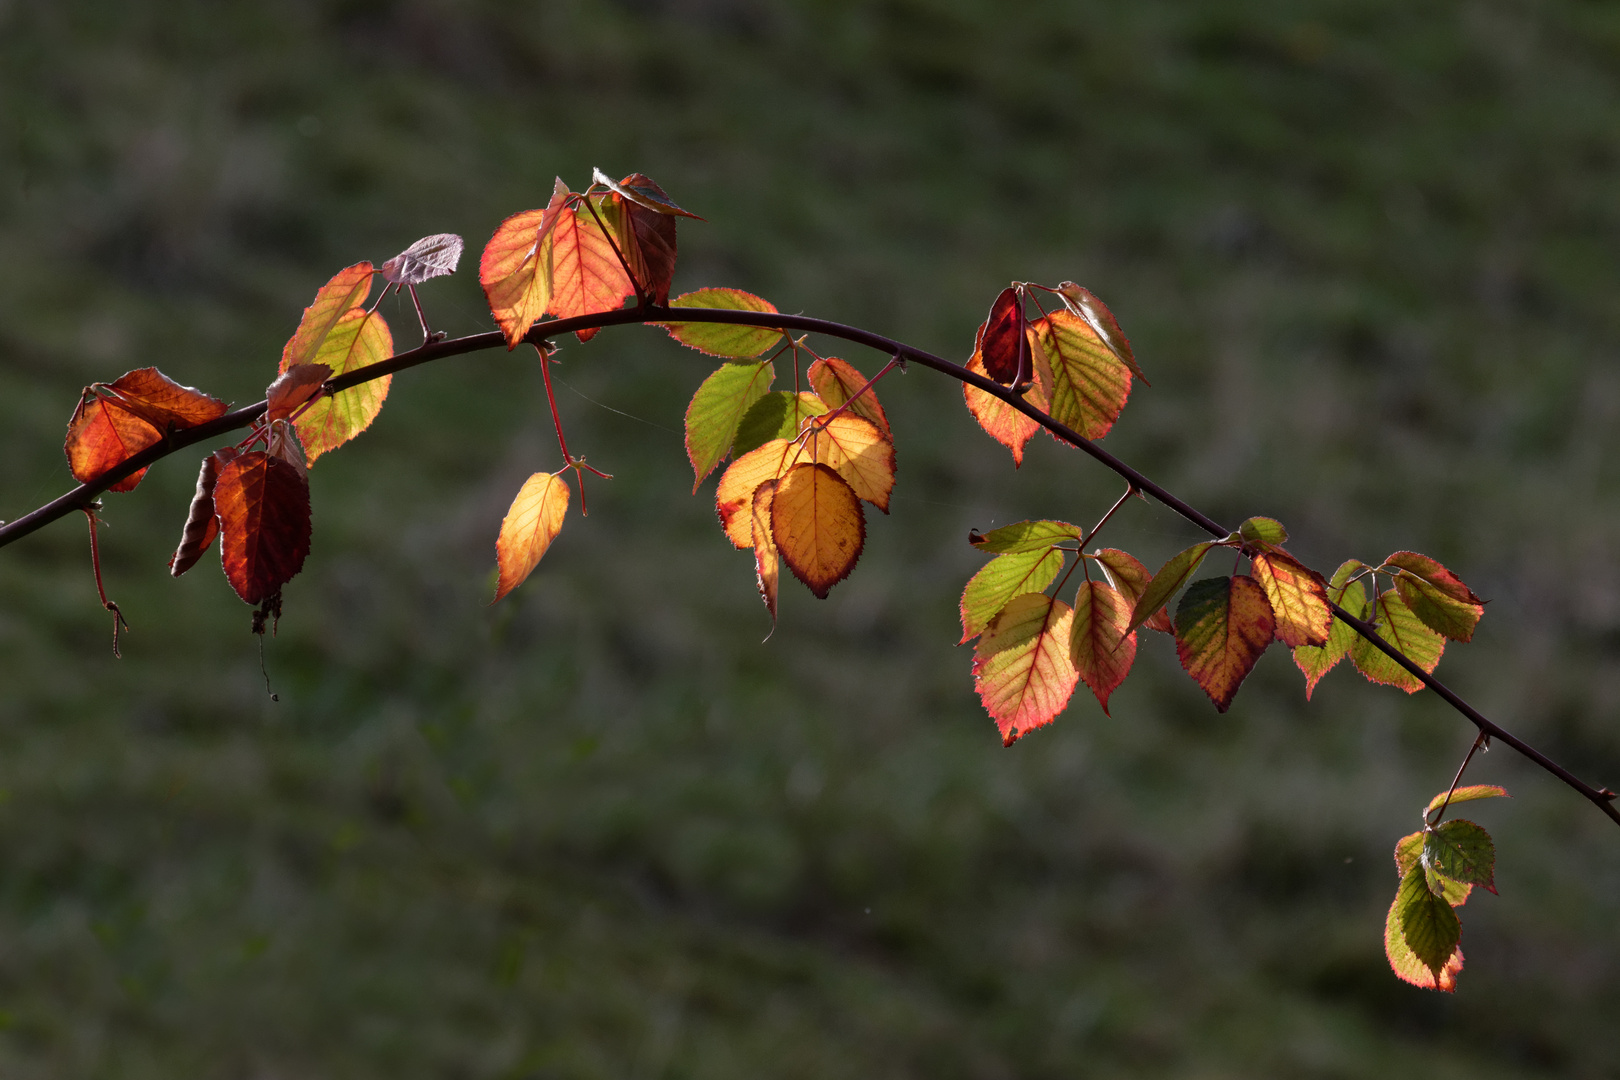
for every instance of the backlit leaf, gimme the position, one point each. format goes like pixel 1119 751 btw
pixel 1083 303
pixel 263 507
pixel 115 421
pixel 1001 579
pixel 516 267
pixel 734 498
pixel 1263 530
pixel 586 275
pixel 836 381
pixel 292 388
pixel 818 526
pixel 1022 667
pixel 1298 597
pixel 642 191
pixel 717 408
pixel 1025 536
pixel 1127 574
pixel 1427 924
pixel 1397 625
pixel 1175 573
pixel 347 290
pixel 767 561
pixel 202 524
pixel 1089 383
pixel 1100 645
pixel 1001 421
pixel 1462 851
pixel 1408 853
pixel 1417 918
pixel 1436 595
pixel 1002 343
pixel 856 450
pixel 428 258
pixel 721 339
pixel 531 524
pixel 779 414
pixel 1222 627
pixel 1316 661
pixel 358 339
pixel 1467 793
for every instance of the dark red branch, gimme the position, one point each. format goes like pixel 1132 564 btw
pixel 81 497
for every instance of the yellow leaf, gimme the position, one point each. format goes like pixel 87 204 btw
pixel 1298 597
pixel 359 339
pixel 532 523
pixel 857 450
pixel 734 498
pixel 767 563
pixel 818 525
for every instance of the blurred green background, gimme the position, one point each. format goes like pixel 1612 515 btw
pixel 1366 252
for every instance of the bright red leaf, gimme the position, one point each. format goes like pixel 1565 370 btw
pixel 263 507
pixel 1002 343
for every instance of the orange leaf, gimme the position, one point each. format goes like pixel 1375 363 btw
pixel 818 526
pixel 1001 421
pixel 1222 627
pixel 734 497
pixel 516 267
pixel 263 507
pixel 837 380
pixel 1022 668
pixel 1089 383
pixel 292 388
pixel 586 276
pixel 1100 646
pixel 115 421
pixel 347 289
pixel 530 525
pixel 1298 597
pixel 359 339
pixel 767 562
pixel 859 452
pixel 1127 574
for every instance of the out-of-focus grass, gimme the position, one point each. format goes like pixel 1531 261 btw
pixel 1366 254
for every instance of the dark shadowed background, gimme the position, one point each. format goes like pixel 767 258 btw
pixel 1366 253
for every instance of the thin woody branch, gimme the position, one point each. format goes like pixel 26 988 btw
pixel 81 497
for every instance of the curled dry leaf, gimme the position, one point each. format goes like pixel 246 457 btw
pixel 115 421
pixel 643 192
pixel 531 524
pixel 202 525
pixel 292 388
pixel 428 258
pixel 642 221
pixel 767 562
pixel 263 507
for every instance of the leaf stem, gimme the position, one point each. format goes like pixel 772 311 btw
pixel 1130 489
pixel 556 419
pixel 1480 740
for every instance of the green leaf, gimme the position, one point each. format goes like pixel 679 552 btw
pixel 776 415
pixel 1461 851
pixel 1025 536
pixel 1396 624
pixel 1001 579
pixel 1168 581
pixel 1428 924
pixel 1316 661
pixel 1408 852
pixel 724 339
pixel 1466 794
pixel 1089 383
pixel 1419 918
pixel 1263 530
pixel 1222 627
pixel 1436 595
pixel 718 407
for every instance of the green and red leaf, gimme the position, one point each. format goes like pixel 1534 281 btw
pixel 1081 301
pixel 718 408
pixel 263 507
pixel 1025 536
pixel 347 290
pixel 1127 574
pixel 1436 595
pixel 1089 383
pixel 724 339
pixel 1395 623
pixel 1263 530
pixel 837 381
pixel 1422 936
pixel 818 526
pixel 1462 852
pixel 531 524
pixel 1316 661
pixel 1222 627
pixel 1100 645
pixel 1467 793
pixel 1022 667
pixel 1298 597
pixel 516 267
pixel 358 339
pixel 1002 422
pixel 1175 573
pixel 1000 580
